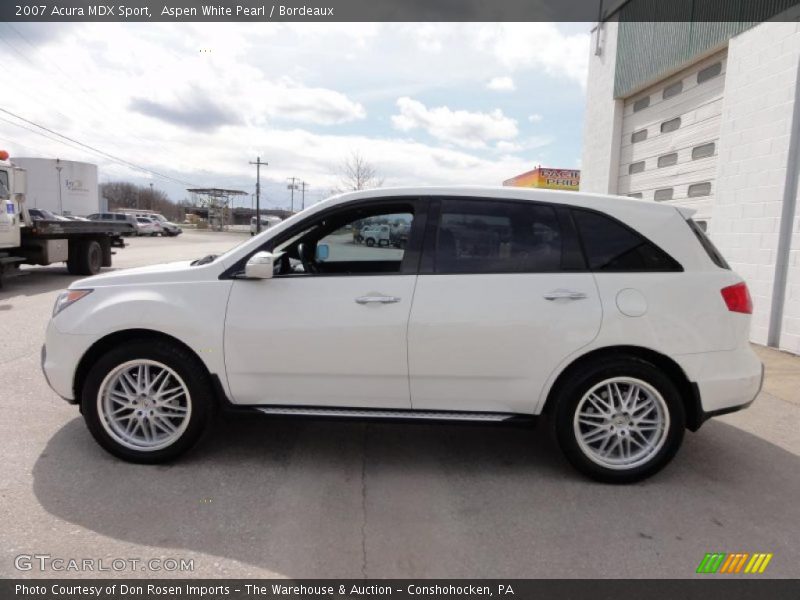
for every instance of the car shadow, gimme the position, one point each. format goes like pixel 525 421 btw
pixel 305 498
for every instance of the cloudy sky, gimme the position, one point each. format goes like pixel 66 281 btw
pixel 434 104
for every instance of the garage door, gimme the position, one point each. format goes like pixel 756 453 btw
pixel 670 138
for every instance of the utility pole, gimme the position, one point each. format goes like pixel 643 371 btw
pixel 303 187
pixel 292 186
pixel 258 164
pixel 60 203
pixel 152 199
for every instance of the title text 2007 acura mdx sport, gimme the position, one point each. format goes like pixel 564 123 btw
pixel 616 317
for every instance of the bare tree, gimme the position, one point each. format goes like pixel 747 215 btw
pixel 356 173
pixel 122 194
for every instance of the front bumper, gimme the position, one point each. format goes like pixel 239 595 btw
pixel 60 357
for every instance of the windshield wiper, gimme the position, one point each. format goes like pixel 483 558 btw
pixel 205 260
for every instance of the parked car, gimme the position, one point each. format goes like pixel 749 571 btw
pixel 168 228
pixel 117 218
pixel 267 221
pixel 617 318
pixel 165 227
pixel 147 226
pixel 372 235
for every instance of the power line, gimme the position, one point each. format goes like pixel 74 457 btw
pixel 97 151
pixel 74 83
pixel 32 130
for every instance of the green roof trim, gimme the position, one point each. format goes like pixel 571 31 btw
pixel 675 33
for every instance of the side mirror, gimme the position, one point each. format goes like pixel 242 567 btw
pixel 259 266
pixel 322 252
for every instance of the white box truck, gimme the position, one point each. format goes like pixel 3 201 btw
pixel 64 187
pixel 84 245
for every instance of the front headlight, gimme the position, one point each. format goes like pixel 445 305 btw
pixel 68 297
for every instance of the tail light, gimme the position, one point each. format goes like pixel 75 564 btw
pixel 738 299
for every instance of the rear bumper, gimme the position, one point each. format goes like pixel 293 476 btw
pixel 723 382
pixel 705 416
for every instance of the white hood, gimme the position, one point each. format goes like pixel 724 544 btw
pixel 163 273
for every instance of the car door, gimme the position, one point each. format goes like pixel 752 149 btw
pixel 503 297
pixel 333 333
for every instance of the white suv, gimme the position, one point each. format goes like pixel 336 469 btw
pixel 616 318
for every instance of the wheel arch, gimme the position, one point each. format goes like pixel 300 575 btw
pixel 690 394
pixel 107 342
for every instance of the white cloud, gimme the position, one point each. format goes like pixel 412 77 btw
pixel 508 147
pixel 539 46
pixel 535 118
pixel 501 84
pixel 289 99
pixel 459 127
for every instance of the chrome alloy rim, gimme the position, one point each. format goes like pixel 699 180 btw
pixel 144 405
pixel 621 423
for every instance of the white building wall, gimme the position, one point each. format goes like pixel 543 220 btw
pixel 603 116
pixel 754 143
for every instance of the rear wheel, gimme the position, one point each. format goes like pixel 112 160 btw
pixel 85 257
pixel 370 241
pixel 619 420
pixel 147 402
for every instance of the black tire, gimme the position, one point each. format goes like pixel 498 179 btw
pixel 370 242
pixel 189 369
pixel 569 397
pixel 85 257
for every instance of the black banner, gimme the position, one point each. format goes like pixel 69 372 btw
pixel 394 10
pixel 733 588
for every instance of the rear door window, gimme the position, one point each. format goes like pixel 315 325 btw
pixel 611 246
pixel 497 237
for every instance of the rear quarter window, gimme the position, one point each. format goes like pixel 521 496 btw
pixel 614 247
pixel 714 254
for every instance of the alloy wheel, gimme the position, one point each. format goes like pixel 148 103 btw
pixel 144 405
pixel 621 423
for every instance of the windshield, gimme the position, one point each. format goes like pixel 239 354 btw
pixel 4 191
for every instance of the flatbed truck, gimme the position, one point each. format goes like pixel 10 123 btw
pixel 85 246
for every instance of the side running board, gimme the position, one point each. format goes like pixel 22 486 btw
pixel 366 413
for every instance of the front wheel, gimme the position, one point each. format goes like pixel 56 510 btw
pixel 147 402
pixel 619 420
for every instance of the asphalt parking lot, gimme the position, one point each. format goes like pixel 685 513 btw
pixel 291 498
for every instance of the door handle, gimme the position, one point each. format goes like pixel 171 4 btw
pixel 377 299
pixel 564 295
